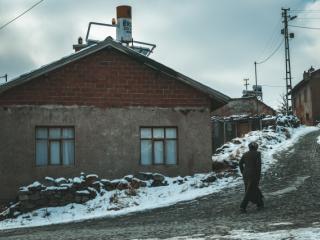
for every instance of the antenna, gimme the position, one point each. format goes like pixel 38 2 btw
pixel 246 84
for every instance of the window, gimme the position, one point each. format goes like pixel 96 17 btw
pixel 158 145
pixel 54 146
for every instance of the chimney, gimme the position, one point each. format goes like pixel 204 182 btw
pixel 124 25
pixel 80 45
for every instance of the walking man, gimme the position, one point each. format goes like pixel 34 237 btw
pixel 250 167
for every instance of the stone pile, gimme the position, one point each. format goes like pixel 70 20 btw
pixel 61 191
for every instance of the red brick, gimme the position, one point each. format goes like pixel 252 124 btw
pixel 123 83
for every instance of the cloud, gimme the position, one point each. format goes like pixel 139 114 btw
pixel 214 42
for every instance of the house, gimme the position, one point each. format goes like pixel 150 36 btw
pixel 244 106
pixel 107 110
pixel 306 97
pixel 238 117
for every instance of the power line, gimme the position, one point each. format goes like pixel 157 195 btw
pixel 271 55
pixel 277 86
pixel 303 10
pixel 271 41
pixel 296 26
pixel 20 15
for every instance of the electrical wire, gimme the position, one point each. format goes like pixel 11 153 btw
pixel 274 52
pixel 21 14
pixel 312 28
pixel 272 40
pixel 273 86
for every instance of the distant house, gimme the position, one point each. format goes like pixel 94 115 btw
pixel 238 117
pixel 306 97
pixel 107 110
pixel 249 106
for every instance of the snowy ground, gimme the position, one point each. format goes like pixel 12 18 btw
pixel 318 140
pixel 115 203
pixel 292 234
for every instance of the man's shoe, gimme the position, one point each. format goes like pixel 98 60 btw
pixel 243 210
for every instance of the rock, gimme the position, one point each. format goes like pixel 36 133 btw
pixel 49 181
pixel 93 192
pixel 144 176
pixel 27 205
pixel 220 166
pixel 91 178
pixel 34 196
pixel 108 185
pixel 78 199
pixel 236 141
pixel 128 178
pixel 60 181
pixel 137 183
pixel 23 197
pixel 159 183
pixel 36 186
pixel 97 186
pixel 209 179
pixel 122 185
pixel 158 177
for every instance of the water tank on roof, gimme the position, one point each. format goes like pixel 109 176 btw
pixel 124 24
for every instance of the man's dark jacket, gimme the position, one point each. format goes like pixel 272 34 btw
pixel 250 165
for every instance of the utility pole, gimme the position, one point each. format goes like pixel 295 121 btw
pixel 287 35
pixel 246 80
pixel 255 73
pixel 5 77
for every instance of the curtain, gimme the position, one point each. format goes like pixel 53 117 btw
pixel 41 153
pixel 68 152
pixel 146 152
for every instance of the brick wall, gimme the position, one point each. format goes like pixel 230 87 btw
pixel 107 78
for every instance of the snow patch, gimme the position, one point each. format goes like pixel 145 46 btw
pixel 299 233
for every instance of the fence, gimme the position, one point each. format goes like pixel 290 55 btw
pixel 225 129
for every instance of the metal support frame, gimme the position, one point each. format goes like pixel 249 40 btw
pixel 99 24
pixel 153 46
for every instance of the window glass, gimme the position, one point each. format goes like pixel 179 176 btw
pixel 68 152
pixel 158 152
pixel 55 152
pixel 146 133
pixel 158 133
pixel 68 133
pixel 171 133
pixel 171 152
pixel 41 153
pixel 54 133
pixel 146 152
pixel 42 133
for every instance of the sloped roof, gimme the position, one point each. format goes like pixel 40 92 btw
pixel 110 43
pixel 305 80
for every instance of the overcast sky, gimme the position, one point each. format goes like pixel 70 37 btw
pixel 214 42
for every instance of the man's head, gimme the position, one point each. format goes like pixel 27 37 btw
pixel 253 146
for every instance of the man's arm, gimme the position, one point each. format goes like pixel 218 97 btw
pixel 259 166
pixel 241 163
